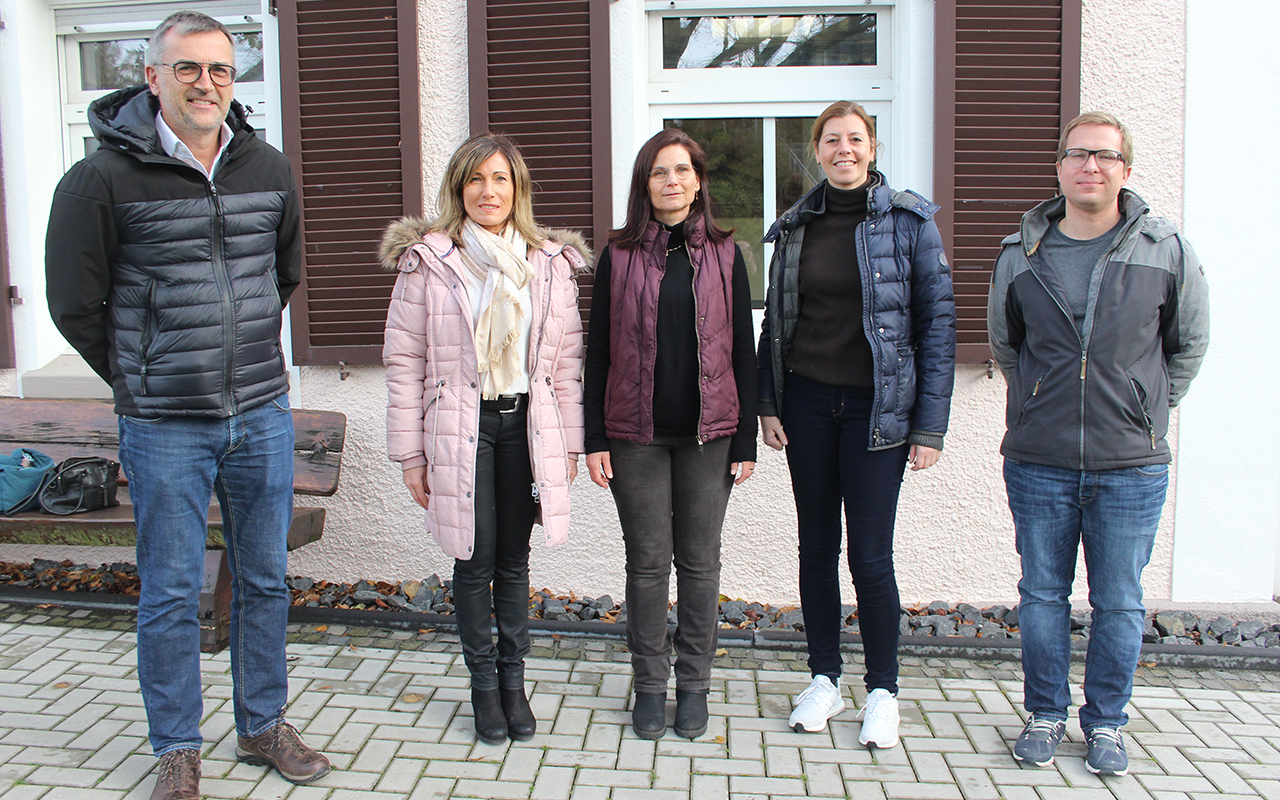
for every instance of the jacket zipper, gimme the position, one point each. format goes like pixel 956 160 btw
pixel 878 371
pixel 1151 427
pixel 228 302
pixel 148 333
pixel 702 379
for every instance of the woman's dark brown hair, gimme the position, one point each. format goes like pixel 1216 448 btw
pixel 640 208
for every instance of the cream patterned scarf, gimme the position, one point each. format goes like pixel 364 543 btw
pixel 498 328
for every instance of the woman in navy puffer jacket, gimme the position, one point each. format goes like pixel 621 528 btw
pixel 857 360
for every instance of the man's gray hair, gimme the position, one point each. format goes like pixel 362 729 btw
pixel 182 23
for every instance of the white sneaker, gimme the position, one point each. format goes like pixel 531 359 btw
pixel 815 705
pixel 879 720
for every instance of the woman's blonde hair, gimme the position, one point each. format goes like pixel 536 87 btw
pixel 466 162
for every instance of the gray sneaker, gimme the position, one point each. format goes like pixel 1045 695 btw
pixel 1106 755
pixel 1038 740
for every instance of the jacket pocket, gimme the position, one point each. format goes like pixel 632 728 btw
pixel 148 335
pixel 1140 395
pixel 1032 395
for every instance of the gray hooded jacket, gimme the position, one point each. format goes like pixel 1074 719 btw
pixel 1098 398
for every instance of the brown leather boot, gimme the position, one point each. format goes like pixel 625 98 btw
pixel 281 747
pixel 179 776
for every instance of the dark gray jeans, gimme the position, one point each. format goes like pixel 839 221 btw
pixel 500 556
pixel 671 496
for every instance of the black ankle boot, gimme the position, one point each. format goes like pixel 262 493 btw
pixel 521 725
pixel 491 723
pixel 649 715
pixel 691 713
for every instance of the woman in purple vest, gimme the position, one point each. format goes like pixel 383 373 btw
pixel 857 361
pixel 669 399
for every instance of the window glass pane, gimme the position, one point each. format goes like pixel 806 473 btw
pixel 112 64
pixel 119 63
pixel 811 40
pixel 248 56
pixel 735 174
pixel 798 170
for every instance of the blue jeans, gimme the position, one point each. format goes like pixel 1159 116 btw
pixel 174 466
pixel 827 430
pixel 1115 514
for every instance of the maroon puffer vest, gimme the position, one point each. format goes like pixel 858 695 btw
pixel 633 313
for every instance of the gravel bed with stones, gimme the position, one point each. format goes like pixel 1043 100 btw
pixel 434 596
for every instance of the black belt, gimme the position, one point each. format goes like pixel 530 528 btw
pixel 506 404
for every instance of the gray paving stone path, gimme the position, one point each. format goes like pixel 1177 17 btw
pixel 390 708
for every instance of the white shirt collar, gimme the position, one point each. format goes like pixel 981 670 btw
pixel 171 144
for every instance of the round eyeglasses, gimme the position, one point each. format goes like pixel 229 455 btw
pixel 1077 157
pixel 189 72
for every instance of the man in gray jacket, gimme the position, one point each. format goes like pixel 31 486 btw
pixel 1099 319
pixel 172 250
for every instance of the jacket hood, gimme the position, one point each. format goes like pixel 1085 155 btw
pixel 1036 222
pixel 408 231
pixel 126 120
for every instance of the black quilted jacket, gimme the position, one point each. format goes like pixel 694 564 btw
pixel 171 287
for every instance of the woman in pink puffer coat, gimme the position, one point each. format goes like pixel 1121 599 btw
pixel 484 363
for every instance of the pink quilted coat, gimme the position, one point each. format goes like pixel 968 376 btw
pixel 433 407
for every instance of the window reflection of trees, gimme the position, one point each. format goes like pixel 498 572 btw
pixel 774 41
pixel 118 63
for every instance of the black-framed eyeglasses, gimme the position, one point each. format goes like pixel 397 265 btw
pixel 1077 157
pixel 189 72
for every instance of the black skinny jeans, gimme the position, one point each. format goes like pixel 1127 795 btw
pixel 827 430
pixel 500 556
pixel 671 496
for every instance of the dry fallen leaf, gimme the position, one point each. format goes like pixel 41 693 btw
pixel 411 698
pixel 321 628
pixel 61 685
pixel 718 740
pixel 722 651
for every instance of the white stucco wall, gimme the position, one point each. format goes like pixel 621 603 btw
pixel 31 128
pixel 1227 529
pixel 954 536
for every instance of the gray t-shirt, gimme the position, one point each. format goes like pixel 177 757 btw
pixel 1070 265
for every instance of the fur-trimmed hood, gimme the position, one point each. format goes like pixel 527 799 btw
pixel 408 231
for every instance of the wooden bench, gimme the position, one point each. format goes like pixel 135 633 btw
pixel 64 428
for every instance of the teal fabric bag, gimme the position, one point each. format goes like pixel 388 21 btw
pixel 22 475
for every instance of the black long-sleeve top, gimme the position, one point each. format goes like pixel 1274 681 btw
pixel 676 398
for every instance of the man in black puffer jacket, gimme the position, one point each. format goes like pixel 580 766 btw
pixel 171 251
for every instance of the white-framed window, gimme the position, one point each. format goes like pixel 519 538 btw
pixel 746 80
pixel 103 48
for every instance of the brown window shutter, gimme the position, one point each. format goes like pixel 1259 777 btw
pixel 540 74
pixel 1007 80
pixel 349 91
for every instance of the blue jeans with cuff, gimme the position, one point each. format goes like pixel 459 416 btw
pixel 175 465
pixel 1115 514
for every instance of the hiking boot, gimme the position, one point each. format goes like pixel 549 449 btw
pixel 1106 755
pixel 691 713
pixel 649 715
pixel 282 748
pixel 521 724
pixel 1039 740
pixel 815 705
pixel 879 720
pixel 178 776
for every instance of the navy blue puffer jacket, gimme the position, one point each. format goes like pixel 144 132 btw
pixel 909 313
